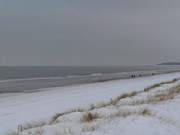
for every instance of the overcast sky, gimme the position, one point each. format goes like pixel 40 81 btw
pixel 89 32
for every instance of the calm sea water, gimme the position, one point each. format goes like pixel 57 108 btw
pixel 28 79
pixel 45 72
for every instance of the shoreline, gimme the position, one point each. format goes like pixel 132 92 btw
pixel 39 84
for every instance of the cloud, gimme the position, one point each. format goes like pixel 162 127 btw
pixel 101 32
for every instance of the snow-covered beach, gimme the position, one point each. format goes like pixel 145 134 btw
pixel 21 108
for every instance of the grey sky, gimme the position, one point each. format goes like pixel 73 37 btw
pixel 89 32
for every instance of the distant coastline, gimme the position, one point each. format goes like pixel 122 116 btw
pixel 170 63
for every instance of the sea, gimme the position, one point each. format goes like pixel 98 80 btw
pixel 32 79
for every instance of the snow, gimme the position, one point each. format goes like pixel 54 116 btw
pixel 16 109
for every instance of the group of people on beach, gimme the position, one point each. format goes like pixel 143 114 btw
pixel 139 75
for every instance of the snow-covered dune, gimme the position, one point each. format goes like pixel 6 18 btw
pixel 17 109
